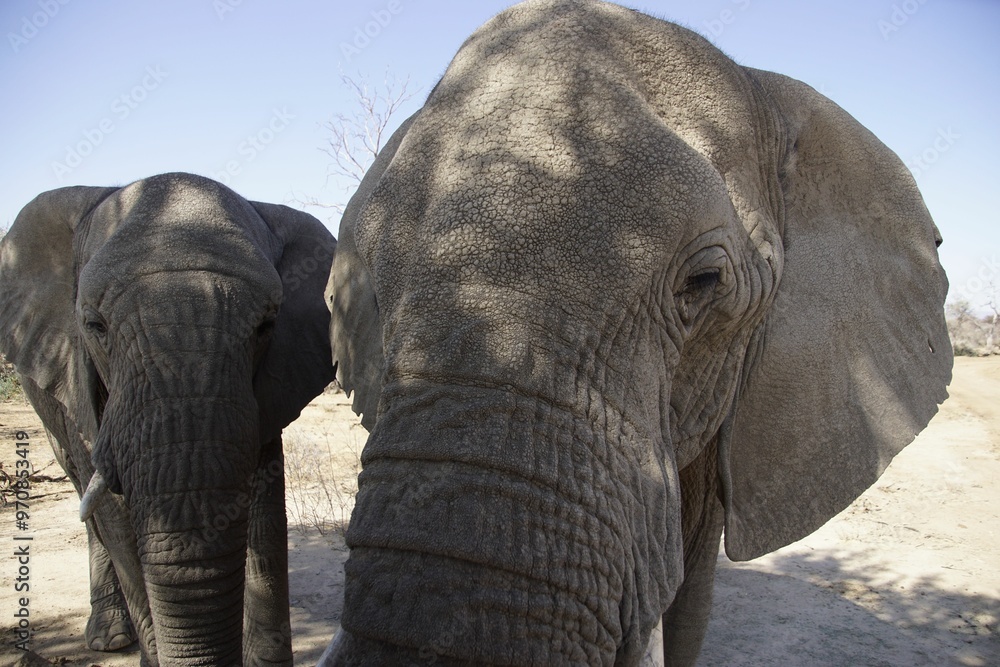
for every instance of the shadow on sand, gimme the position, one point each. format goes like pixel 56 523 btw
pixel 820 609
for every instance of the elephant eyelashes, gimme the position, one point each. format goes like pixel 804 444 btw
pixel 701 282
pixel 95 326
pixel 696 293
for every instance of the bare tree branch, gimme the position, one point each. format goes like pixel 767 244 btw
pixel 355 139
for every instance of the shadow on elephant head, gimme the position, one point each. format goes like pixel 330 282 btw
pixel 607 292
pixel 166 332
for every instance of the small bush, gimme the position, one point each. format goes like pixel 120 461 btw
pixel 965 350
pixel 973 333
pixel 10 386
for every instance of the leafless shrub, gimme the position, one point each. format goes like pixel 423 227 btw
pixel 973 334
pixel 315 498
pixel 356 138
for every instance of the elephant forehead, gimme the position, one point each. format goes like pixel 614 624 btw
pixel 178 221
pixel 181 264
pixel 173 235
pixel 531 196
pixel 501 246
pixel 539 159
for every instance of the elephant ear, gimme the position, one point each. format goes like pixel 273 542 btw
pixel 38 328
pixel 854 356
pixel 297 365
pixel 355 327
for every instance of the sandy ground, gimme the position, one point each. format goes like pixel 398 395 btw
pixel 908 575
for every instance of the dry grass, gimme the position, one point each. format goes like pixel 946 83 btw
pixel 314 498
pixel 322 462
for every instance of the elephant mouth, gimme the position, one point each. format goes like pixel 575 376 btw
pixel 506 512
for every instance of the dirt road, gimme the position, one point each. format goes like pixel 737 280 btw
pixel 908 575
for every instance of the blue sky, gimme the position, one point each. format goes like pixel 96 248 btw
pixel 104 93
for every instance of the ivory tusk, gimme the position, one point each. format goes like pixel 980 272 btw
pixel 95 491
pixel 331 652
pixel 654 652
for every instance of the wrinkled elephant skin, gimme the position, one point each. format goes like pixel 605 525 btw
pixel 605 294
pixel 166 332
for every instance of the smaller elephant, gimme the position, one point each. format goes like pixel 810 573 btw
pixel 166 332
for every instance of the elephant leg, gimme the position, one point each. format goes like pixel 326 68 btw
pixel 686 619
pixel 109 627
pixel 267 634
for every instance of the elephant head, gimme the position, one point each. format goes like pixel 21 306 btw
pixel 177 328
pixel 601 253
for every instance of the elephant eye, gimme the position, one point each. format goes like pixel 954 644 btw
pixel 702 281
pixel 265 329
pixel 96 328
pixel 698 291
pixel 264 332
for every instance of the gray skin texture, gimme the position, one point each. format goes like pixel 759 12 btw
pixel 166 332
pixel 606 293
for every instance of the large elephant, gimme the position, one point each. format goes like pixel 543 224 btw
pixel 606 293
pixel 166 332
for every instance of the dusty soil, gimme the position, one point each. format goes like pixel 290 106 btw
pixel 908 575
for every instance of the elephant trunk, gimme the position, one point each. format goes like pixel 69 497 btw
pixel 487 515
pixel 190 507
pixel 194 580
